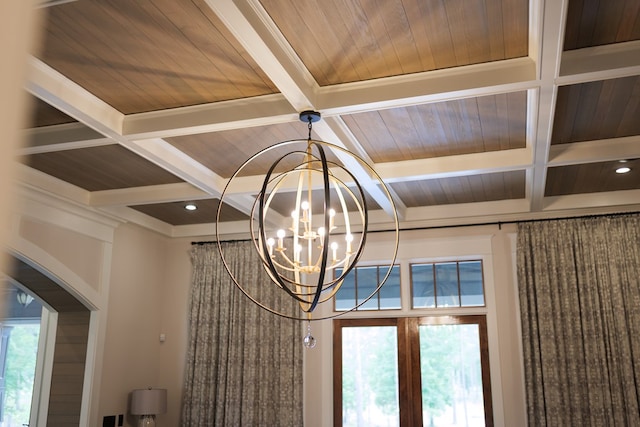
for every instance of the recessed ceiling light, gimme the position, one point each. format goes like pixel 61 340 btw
pixel 623 169
pixel 190 206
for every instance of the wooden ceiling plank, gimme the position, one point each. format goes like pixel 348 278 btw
pixel 420 32
pixel 515 25
pixel 65 34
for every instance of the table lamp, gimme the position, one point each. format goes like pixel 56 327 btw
pixel 147 403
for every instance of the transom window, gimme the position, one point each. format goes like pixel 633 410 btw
pixel 433 285
pixel 362 281
pixel 447 284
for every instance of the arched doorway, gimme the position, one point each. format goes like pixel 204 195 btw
pixel 62 380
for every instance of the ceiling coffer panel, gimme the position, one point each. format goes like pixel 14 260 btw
pixel 597 110
pixel 462 189
pixel 106 167
pixel 592 178
pixel 43 114
pixel 224 152
pixel 597 23
pixel 473 125
pixel 342 41
pixel 174 213
pixel 147 56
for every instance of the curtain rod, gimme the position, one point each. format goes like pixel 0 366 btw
pixel 479 224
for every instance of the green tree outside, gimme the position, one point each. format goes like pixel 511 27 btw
pixel 20 371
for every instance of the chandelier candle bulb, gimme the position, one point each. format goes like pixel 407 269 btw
pixel 280 236
pixel 334 248
pixel 349 239
pixel 270 243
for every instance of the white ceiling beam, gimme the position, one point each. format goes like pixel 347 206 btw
pixel 430 86
pixel 550 51
pixel 455 166
pixel 602 150
pixel 213 117
pixel 68 136
pixel 75 101
pixel 185 167
pixel 72 99
pixel 178 163
pixel 164 193
pixel 612 201
pixel 466 213
pixel 333 130
pixel 133 216
pixel 600 63
pixel 41 182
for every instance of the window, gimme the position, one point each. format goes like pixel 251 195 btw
pixel 362 281
pixel 447 284
pixel 427 371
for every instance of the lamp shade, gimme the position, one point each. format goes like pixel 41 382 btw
pixel 149 401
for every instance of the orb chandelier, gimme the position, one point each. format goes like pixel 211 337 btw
pixel 309 222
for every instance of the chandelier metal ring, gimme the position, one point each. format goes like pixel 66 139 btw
pixel 310 272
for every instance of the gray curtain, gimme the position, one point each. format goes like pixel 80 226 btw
pixel 244 364
pixel 580 307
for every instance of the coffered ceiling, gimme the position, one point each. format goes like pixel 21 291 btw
pixel 470 111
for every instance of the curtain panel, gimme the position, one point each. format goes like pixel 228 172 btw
pixel 244 364
pixel 580 305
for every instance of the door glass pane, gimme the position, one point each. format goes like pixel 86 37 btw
pixel 451 376
pixel 370 377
